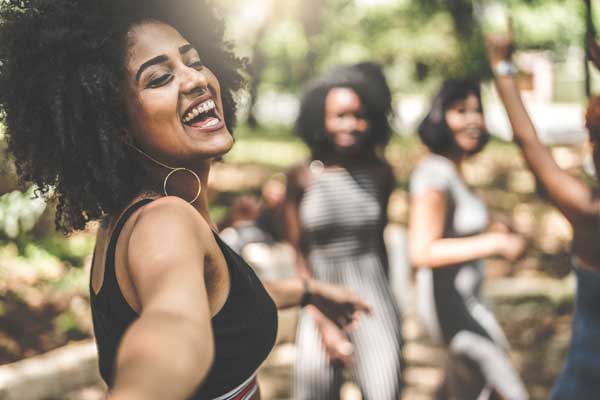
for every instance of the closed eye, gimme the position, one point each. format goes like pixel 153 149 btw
pixel 160 81
pixel 198 65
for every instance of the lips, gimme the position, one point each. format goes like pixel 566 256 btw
pixel 473 133
pixel 345 140
pixel 203 114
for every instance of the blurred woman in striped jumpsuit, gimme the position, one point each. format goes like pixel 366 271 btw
pixel 336 212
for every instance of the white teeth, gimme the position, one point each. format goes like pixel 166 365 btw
pixel 200 108
pixel 212 122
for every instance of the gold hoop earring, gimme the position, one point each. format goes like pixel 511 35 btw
pixel 173 171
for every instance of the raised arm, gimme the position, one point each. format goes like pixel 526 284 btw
pixel 572 197
pixel 428 248
pixel 172 340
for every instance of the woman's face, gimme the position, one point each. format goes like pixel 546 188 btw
pixel 345 120
pixel 465 120
pixel 174 101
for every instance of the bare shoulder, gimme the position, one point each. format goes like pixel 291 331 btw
pixel 169 227
pixel 298 179
pixel 299 175
pixel 165 258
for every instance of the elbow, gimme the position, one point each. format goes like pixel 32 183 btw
pixel 418 259
pixel 418 263
pixel 420 254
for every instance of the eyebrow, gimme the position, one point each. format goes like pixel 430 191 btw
pixel 160 59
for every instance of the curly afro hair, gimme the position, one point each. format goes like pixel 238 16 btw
pixel 368 82
pixel 433 130
pixel 62 85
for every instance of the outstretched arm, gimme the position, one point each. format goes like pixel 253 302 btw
pixel 572 197
pixel 167 352
pixel 339 304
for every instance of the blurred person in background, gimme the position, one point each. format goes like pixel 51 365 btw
pixel 450 235
pixel 251 220
pixel 253 228
pixel 336 211
pixel 579 203
pixel 240 228
pixel 118 108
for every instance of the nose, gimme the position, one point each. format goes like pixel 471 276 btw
pixel 194 82
pixel 348 123
pixel 474 118
pixel 354 124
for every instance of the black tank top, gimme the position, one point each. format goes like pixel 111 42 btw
pixel 244 329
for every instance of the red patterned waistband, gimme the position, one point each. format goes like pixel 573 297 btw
pixel 243 392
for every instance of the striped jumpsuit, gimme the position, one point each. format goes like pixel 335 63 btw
pixel 342 215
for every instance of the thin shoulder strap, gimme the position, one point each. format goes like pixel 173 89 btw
pixel 109 270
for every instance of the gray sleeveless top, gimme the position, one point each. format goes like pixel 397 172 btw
pixel 466 215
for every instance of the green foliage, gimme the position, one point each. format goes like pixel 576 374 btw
pixel 19 213
pixel 72 250
pixel 548 24
pixel 419 42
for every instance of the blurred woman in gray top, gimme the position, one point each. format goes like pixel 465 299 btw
pixel 450 234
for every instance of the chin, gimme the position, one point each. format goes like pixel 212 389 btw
pixel 348 151
pixel 469 148
pixel 218 146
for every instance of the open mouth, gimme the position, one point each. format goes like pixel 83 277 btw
pixel 474 133
pixel 203 115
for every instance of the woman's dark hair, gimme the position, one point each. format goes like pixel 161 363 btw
pixel 434 130
pixel 368 82
pixel 62 80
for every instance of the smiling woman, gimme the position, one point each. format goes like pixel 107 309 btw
pixel 450 235
pixel 64 60
pixel 335 216
pixel 115 104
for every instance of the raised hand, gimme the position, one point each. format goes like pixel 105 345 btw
pixel 500 47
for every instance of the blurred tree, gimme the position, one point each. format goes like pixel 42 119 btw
pixel 419 41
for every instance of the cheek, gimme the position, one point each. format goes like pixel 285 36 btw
pixel 159 105
pixel 153 114
pixel 454 121
pixel 330 124
pixel 362 125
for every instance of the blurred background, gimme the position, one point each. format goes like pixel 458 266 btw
pixel 46 348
